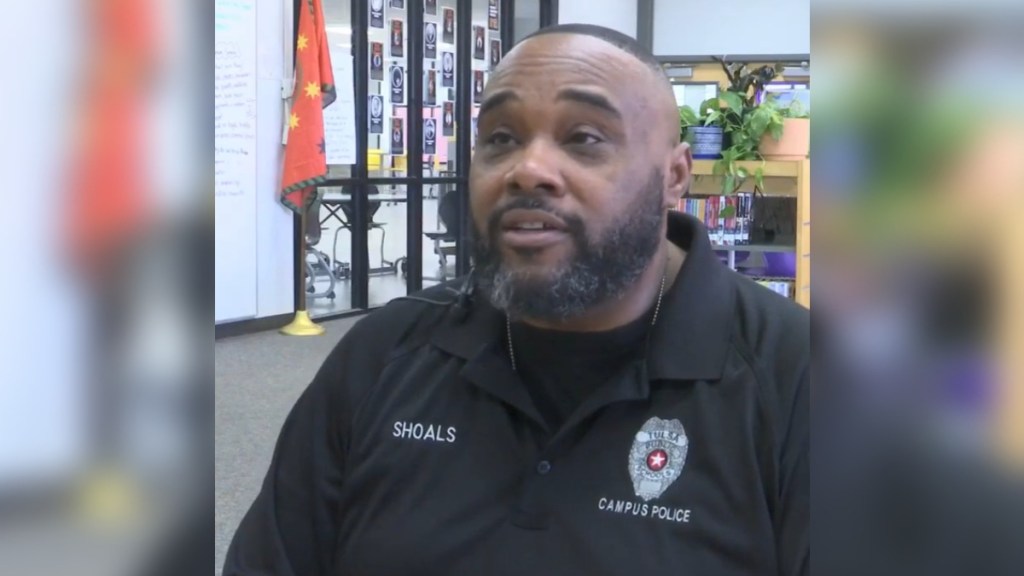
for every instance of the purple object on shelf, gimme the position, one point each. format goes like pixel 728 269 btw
pixel 780 264
pixel 754 272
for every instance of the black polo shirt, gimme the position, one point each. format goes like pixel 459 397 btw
pixel 417 450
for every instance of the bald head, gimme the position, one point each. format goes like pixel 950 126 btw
pixel 634 66
pixel 614 37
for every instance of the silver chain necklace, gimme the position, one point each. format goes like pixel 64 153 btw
pixel 508 323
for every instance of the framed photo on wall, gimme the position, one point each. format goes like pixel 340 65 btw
pixel 400 4
pixel 397 41
pixel 478 42
pixel 430 40
pixel 397 137
pixel 429 136
pixel 447 69
pixel 397 84
pixel 376 61
pixel 430 7
pixel 495 53
pixel 448 26
pixel 492 15
pixel 376 114
pixel 478 85
pixel 376 13
pixel 448 119
pixel 430 89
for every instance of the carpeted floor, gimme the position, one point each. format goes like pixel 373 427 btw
pixel 258 378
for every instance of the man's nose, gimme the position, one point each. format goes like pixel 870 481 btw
pixel 536 171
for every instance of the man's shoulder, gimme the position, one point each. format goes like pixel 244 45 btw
pixel 406 317
pixel 773 328
pixel 374 340
pixel 773 335
pixel 758 303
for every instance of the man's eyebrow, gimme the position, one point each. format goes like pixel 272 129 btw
pixel 590 99
pixel 496 99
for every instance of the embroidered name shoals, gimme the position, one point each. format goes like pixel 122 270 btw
pixel 429 432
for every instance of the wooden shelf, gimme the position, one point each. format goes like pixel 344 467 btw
pixel 772 168
pixel 752 248
pixel 783 178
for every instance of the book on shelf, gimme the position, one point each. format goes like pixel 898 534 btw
pixel 780 287
pixel 731 230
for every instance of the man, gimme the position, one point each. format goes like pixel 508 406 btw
pixel 601 395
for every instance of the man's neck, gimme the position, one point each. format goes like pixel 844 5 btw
pixel 666 264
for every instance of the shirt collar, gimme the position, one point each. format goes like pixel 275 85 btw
pixel 690 339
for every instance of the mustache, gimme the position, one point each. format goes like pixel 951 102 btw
pixel 574 224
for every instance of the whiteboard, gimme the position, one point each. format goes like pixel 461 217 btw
pixel 340 117
pixel 235 158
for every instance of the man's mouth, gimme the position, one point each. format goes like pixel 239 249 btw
pixel 531 226
pixel 532 229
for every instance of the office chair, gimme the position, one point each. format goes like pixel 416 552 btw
pixel 321 263
pixel 447 216
pixel 372 207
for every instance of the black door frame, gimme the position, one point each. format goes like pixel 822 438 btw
pixel 360 181
pixel 548 13
pixel 360 171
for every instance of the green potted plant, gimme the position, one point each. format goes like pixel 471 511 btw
pixel 793 140
pixel 745 123
pixel 748 82
pixel 687 119
pixel 744 127
pixel 705 132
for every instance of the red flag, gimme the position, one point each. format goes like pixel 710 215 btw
pixel 109 204
pixel 305 154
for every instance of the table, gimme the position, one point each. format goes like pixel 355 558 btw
pixel 334 202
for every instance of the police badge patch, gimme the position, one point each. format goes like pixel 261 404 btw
pixel 657 457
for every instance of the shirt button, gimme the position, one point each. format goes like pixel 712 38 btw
pixel 543 467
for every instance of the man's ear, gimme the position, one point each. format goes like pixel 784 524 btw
pixel 677 176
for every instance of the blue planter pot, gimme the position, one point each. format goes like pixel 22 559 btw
pixel 707 142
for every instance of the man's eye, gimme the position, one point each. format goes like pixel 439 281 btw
pixel 500 139
pixel 583 138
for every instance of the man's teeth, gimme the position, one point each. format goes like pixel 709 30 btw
pixel 531 226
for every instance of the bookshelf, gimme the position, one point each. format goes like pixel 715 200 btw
pixel 782 178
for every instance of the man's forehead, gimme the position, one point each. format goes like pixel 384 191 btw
pixel 557 59
pixel 566 47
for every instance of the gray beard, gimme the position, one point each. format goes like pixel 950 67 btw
pixel 599 272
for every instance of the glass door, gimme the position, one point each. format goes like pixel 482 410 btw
pixel 335 269
pixel 396 220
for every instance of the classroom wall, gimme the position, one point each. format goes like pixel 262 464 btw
pixel 275 262
pixel 616 14
pixel 255 260
pixel 697 28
